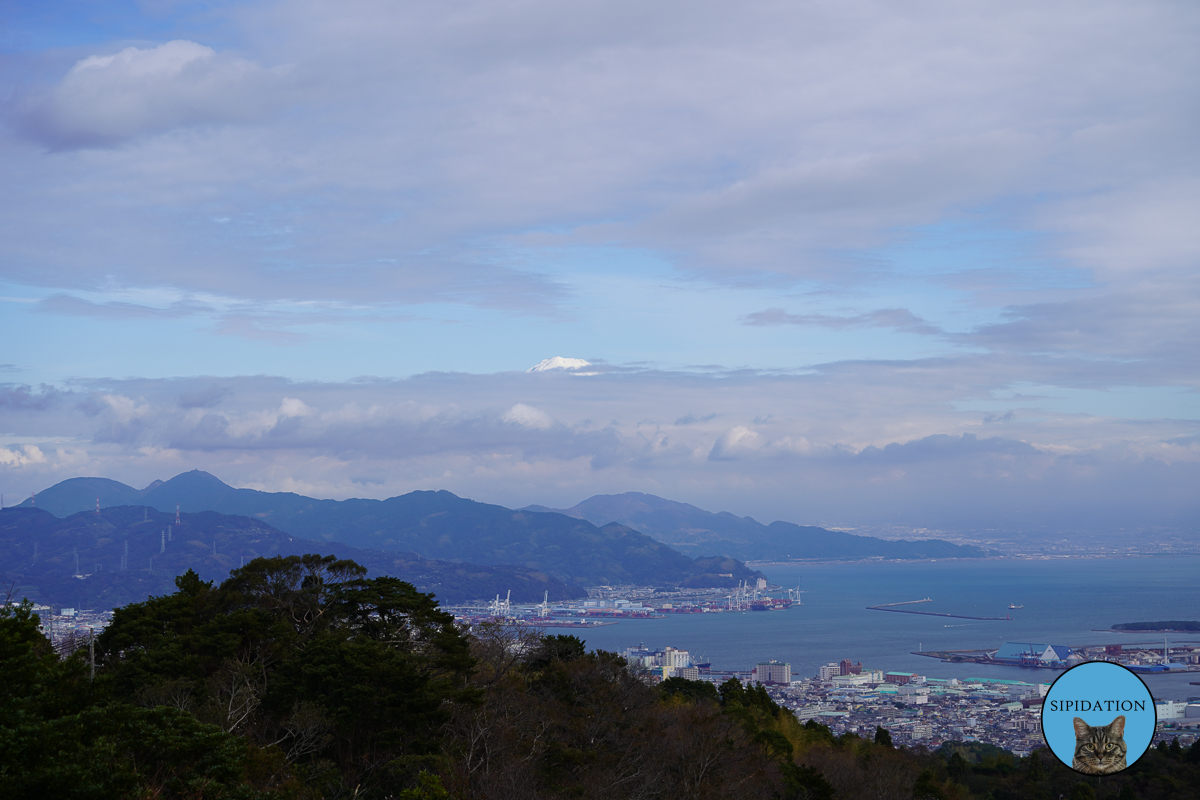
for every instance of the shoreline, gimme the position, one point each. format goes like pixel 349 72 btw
pixel 1062 557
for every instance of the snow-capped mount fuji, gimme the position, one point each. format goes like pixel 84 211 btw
pixel 558 362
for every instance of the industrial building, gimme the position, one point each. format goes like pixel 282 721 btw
pixel 901 678
pixel 1027 654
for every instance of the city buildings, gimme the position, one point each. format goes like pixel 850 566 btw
pixel 662 664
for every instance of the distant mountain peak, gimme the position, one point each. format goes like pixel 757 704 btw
pixel 199 474
pixel 558 362
pixel 695 531
pixel 196 479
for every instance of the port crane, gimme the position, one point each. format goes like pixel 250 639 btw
pixel 501 609
pixel 794 595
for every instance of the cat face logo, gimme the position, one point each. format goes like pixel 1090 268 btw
pixel 1080 721
pixel 1099 749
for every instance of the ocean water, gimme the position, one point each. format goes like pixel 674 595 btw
pixel 1066 601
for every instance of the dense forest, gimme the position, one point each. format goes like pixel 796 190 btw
pixel 300 677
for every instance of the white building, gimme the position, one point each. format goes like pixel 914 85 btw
pixel 844 681
pixel 827 672
pixel 772 672
pixel 675 658
pixel 1171 709
pixel 868 677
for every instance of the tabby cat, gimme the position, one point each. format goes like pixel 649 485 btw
pixel 1099 749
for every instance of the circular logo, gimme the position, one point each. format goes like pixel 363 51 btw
pixel 1098 718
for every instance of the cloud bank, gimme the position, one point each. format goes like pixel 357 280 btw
pixel 392 154
pixel 829 447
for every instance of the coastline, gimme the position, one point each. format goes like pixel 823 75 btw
pixel 1013 557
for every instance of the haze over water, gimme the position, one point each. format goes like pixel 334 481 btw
pixel 1066 601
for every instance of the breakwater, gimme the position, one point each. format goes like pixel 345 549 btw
pixel 892 607
pixel 887 606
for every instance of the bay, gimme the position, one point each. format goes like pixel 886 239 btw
pixel 1071 601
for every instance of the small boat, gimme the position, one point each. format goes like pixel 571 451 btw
pixel 1014 605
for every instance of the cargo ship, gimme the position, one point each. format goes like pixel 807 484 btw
pixel 771 604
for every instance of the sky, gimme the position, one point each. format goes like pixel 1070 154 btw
pixel 851 263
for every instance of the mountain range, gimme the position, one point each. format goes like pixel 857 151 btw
pixel 437 525
pixel 124 554
pixel 693 530
pixel 458 548
pixel 490 534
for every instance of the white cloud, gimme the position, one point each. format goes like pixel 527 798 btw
pixel 25 455
pixel 736 441
pixel 528 416
pixel 109 98
pixel 294 407
pixel 125 409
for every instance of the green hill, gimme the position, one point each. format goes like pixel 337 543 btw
pixel 81 494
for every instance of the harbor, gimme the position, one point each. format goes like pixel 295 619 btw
pixel 608 605
pixel 1140 657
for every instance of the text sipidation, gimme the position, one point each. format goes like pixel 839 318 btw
pixel 1097 705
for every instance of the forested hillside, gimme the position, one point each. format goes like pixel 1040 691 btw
pixel 127 553
pixel 299 677
pixel 437 525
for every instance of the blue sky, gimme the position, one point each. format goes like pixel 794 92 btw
pixel 782 234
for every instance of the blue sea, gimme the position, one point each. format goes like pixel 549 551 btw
pixel 1069 601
